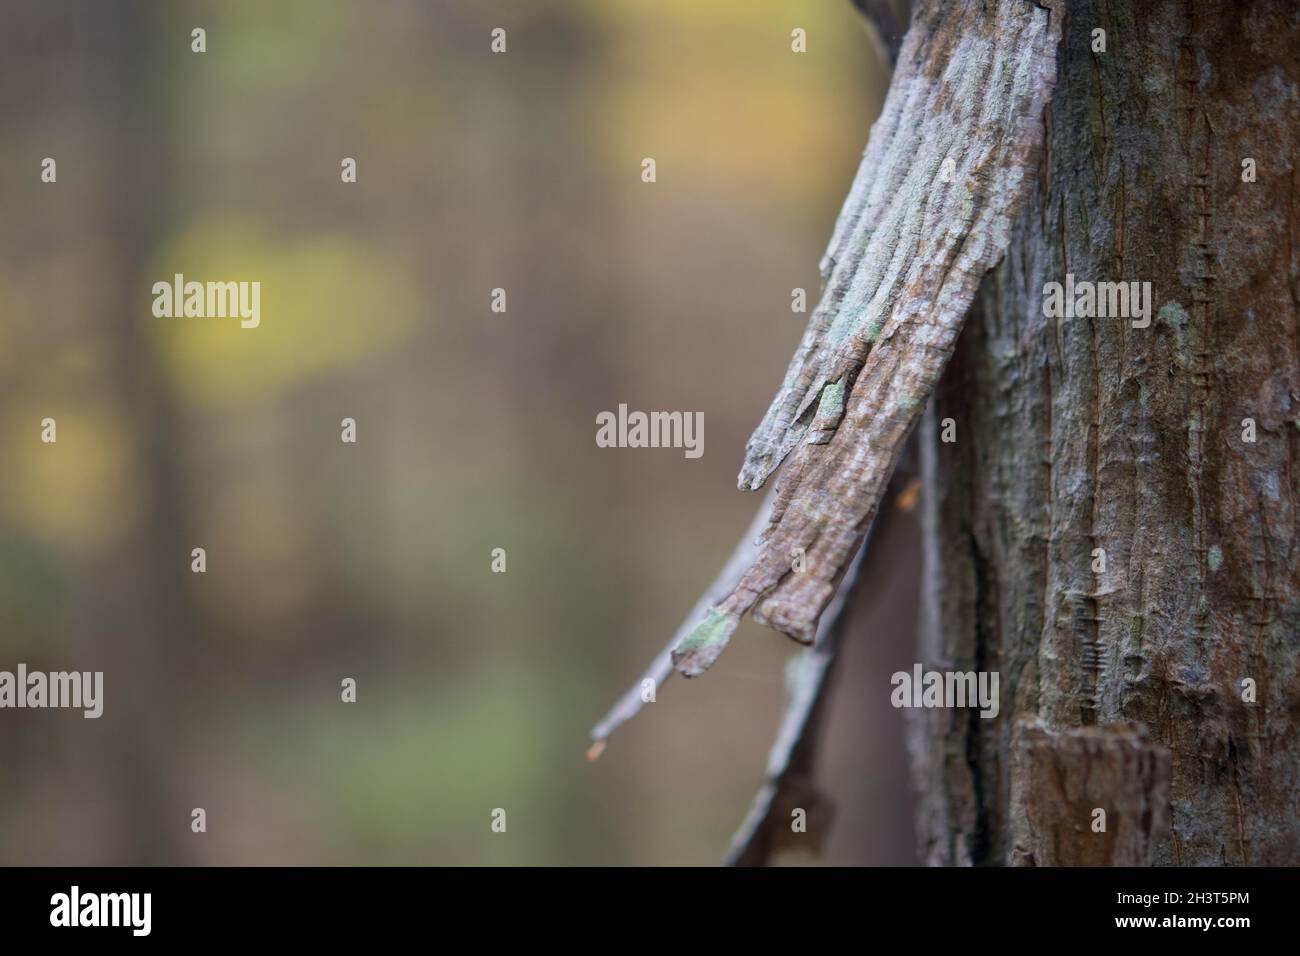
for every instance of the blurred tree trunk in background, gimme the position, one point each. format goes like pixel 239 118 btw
pixel 107 791
pixel 1079 436
pixel 146 611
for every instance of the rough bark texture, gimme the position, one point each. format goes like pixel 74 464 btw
pixel 928 214
pixel 1083 434
pixel 1092 796
pixel 1114 529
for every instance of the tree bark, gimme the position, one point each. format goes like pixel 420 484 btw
pixel 1113 531
pixel 928 214
pixel 1076 436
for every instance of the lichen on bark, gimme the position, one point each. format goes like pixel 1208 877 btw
pixel 928 214
pixel 1161 683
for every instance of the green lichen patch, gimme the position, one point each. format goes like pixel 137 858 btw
pixel 706 640
pixel 831 405
pixel 1172 313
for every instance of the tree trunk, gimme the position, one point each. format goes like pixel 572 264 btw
pixel 1126 678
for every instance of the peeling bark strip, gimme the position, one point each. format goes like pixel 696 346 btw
pixel 788 782
pixel 929 213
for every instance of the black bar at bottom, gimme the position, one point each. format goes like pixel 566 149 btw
pixel 338 905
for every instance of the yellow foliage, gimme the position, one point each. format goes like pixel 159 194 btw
pixel 327 303
pixel 721 91
pixel 77 494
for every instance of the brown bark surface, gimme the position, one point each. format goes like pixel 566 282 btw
pixel 1080 434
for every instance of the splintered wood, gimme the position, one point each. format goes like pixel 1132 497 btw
pixel 929 213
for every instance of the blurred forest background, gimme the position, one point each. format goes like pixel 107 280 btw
pixel 475 430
